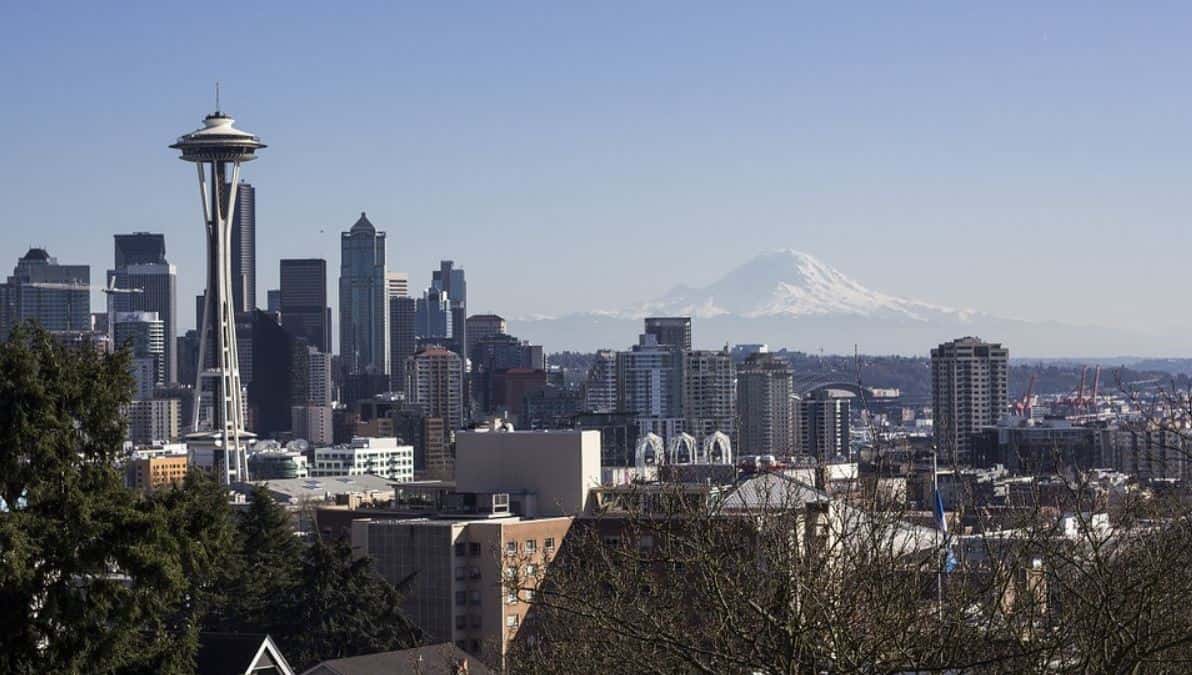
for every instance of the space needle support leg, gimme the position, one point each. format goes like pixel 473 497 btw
pixel 203 334
pixel 232 347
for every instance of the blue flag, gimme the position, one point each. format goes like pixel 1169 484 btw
pixel 941 522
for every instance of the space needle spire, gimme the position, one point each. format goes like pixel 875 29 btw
pixel 217 150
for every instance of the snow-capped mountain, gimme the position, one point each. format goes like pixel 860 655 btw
pixel 785 283
pixel 787 298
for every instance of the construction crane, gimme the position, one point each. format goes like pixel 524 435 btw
pixel 108 291
pixel 1022 407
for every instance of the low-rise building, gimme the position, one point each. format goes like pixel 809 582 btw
pixel 382 457
pixel 149 474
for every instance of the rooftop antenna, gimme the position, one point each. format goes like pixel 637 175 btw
pixel 217 96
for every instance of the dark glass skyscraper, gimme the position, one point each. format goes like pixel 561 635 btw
pixel 304 310
pixel 140 248
pixel 244 249
pixel 363 295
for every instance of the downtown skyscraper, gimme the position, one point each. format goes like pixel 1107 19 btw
pixel 244 249
pixel 363 300
pixel 303 301
pixel 56 296
pixel 151 283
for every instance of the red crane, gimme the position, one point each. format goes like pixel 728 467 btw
pixel 1022 406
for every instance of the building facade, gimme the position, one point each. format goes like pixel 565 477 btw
pixel 969 392
pixel 764 406
pixel 382 457
pixel 56 296
pixel 303 301
pixel 363 306
pixel 434 381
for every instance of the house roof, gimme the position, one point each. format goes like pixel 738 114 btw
pixel 440 659
pixel 238 654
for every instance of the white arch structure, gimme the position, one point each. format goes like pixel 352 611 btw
pixel 649 451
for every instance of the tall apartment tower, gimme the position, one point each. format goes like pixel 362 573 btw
pixel 56 296
pixel 968 392
pixel 244 249
pixel 650 386
pixel 403 338
pixel 435 380
pixel 764 405
pixel 709 393
pixel 670 331
pixel 303 306
pixel 823 425
pixel 143 333
pixel 363 300
pixel 140 265
pixel 600 388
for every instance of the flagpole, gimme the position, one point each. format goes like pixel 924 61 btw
pixel 939 570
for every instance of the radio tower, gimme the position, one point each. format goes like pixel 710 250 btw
pixel 217 150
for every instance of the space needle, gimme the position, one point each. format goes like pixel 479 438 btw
pixel 217 150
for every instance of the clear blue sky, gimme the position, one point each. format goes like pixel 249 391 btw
pixel 1025 161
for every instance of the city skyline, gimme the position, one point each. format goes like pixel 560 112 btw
pixel 871 148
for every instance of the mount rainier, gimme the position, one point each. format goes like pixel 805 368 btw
pixel 787 298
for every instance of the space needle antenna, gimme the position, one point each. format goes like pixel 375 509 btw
pixel 217 96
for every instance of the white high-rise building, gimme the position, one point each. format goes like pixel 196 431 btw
pixel 600 389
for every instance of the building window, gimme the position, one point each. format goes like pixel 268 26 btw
pixel 460 573
pixel 510 598
pixel 512 620
pixel 461 622
pixel 460 548
pixel 511 548
pixel 548 544
pixel 461 598
pixel 474 596
pixel 475 621
pixel 474 548
pixel 531 545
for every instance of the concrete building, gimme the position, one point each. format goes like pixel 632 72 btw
pixel 154 420
pixel 56 296
pixel 318 377
pixel 434 380
pixel 823 425
pixel 968 391
pixel 382 457
pixel 397 285
pixel 314 423
pixel 403 338
pixel 149 474
pixel 650 379
pixel 670 331
pixel 303 303
pixel 457 570
pixel 144 335
pixel 363 299
pixel 558 468
pixel 600 388
pixel 764 406
pixel 709 394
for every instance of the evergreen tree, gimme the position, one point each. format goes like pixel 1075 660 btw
pixel 86 571
pixel 343 609
pixel 267 569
